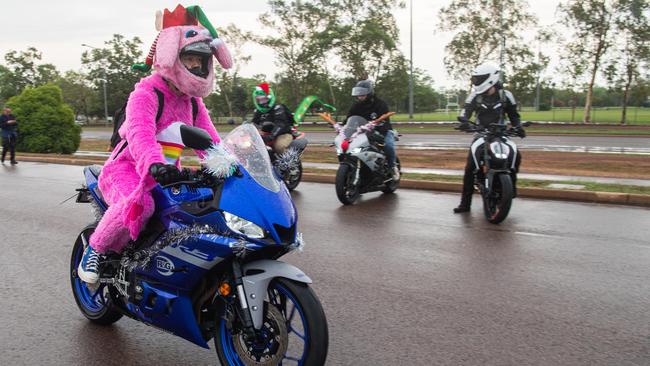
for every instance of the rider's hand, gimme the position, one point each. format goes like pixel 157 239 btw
pixel 165 174
pixel 463 126
pixel 519 131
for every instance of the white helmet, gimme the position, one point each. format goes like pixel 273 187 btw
pixel 484 77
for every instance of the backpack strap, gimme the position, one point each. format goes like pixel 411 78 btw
pixel 161 103
pixel 195 109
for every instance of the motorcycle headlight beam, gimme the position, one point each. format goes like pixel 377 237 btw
pixel 243 226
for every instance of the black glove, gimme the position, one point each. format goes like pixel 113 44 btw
pixel 267 138
pixel 519 131
pixel 165 174
pixel 463 126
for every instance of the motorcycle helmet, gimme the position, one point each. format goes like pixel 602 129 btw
pixel 363 87
pixel 484 77
pixel 263 97
pixel 202 50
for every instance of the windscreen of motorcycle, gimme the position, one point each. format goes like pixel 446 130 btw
pixel 245 143
pixel 349 129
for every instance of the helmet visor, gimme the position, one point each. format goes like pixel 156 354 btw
pixel 479 79
pixel 262 99
pixel 358 91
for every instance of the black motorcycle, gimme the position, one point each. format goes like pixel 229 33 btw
pixel 494 155
pixel 363 165
pixel 288 163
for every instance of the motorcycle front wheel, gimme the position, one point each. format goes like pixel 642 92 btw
pixel 294 331
pixel 293 177
pixel 346 190
pixel 94 301
pixel 496 204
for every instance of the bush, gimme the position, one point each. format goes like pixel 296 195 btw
pixel 45 123
pixel 544 107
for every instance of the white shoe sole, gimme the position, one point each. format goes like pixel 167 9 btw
pixel 88 277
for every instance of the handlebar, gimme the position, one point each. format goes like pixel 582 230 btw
pixel 198 178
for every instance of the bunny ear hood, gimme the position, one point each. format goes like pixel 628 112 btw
pixel 184 17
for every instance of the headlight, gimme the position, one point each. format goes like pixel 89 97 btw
pixel 356 150
pixel 339 151
pixel 243 226
pixel 500 150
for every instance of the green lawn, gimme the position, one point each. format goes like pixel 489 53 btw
pixel 635 115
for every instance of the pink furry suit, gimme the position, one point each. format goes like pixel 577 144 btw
pixel 125 181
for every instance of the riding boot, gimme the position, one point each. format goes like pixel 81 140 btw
pixel 468 188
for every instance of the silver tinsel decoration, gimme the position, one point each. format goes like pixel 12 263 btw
pixel 219 162
pixel 132 259
pixel 287 160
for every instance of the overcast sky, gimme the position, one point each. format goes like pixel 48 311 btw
pixel 58 30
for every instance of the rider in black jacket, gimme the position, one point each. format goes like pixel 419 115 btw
pixel 491 103
pixel 272 117
pixel 370 107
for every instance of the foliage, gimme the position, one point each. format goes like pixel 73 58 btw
pixel 478 34
pixel 45 122
pixel 76 92
pixel 631 46
pixel 590 22
pixel 113 64
pixel 23 70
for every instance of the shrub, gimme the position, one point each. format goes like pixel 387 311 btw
pixel 45 122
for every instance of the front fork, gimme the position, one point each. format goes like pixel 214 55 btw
pixel 244 310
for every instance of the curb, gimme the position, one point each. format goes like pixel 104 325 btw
pixel 628 199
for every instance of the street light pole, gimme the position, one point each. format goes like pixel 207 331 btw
pixel 104 82
pixel 411 74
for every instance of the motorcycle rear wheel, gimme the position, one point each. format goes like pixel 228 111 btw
pixel 346 191
pixel 301 336
pixel 497 203
pixel 94 301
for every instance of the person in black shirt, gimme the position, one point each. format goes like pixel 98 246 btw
pixel 491 103
pixel 371 107
pixel 8 125
pixel 272 117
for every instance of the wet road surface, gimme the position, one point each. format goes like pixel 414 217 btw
pixel 402 280
pixel 595 144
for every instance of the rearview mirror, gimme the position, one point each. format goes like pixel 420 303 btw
pixel 195 138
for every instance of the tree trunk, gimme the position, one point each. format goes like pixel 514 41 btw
pixel 626 94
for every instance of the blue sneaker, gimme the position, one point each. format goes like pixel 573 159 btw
pixel 88 269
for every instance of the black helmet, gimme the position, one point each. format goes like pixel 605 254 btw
pixel 363 87
pixel 203 50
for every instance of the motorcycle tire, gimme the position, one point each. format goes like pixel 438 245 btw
pixel 293 183
pixel 95 304
pixel 306 343
pixel 344 178
pixel 497 203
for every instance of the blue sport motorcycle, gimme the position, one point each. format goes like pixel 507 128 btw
pixel 205 266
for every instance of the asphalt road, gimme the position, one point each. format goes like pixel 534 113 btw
pixel 595 144
pixel 402 280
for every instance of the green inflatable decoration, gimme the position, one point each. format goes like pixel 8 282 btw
pixel 299 114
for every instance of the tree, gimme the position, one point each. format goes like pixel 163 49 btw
pixel 631 47
pixel 364 35
pixel 591 22
pixel 227 79
pixel 23 70
pixel 45 122
pixel 478 35
pixel 76 92
pixel 298 38
pixel 113 64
